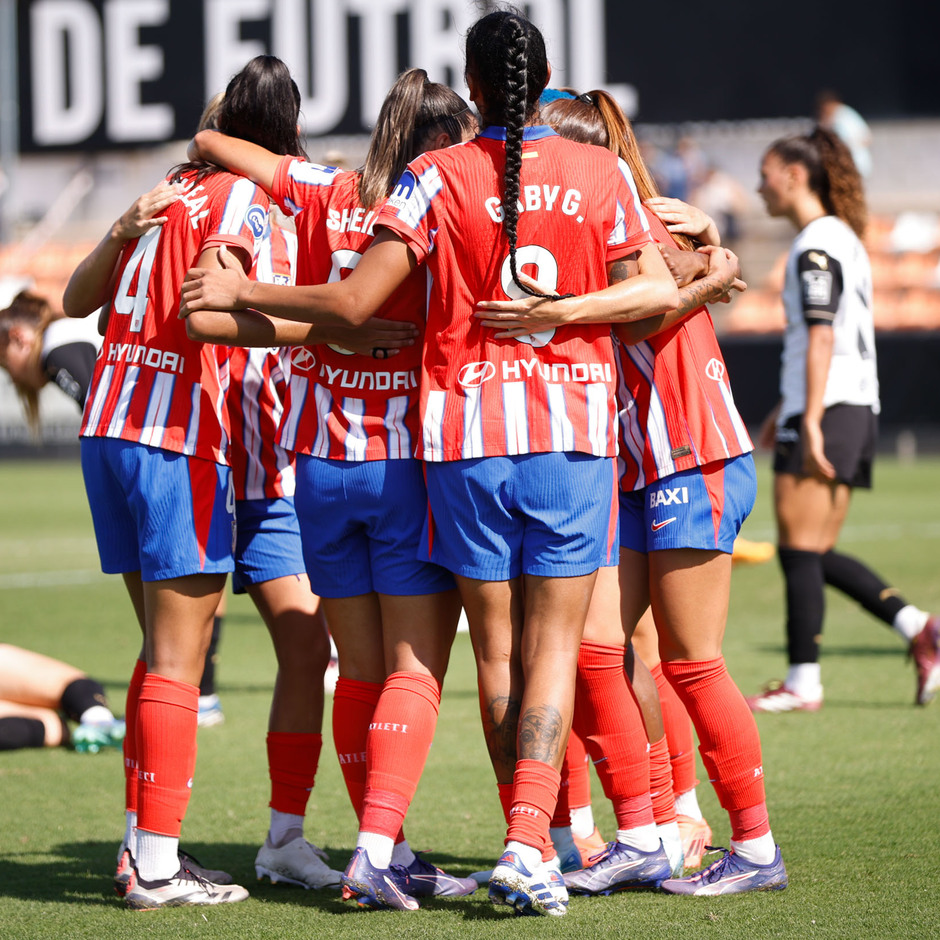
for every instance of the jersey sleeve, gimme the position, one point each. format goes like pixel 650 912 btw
pixel 413 211
pixel 71 366
pixel 631 230
pixel 820 286
pixel 238 219
pixel 298 185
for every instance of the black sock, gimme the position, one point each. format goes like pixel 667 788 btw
pixel 806 604
pixel 81 695
pixel 859 582
pixel 16 732
pixel 207 685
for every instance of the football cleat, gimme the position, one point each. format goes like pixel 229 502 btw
pixel 421 879
pixel 374 887
pixel 695 835
pixel 90 737
pixel 126 865
pixel 528 893
pixel 295 863
pixel 184 889
pixel 925 651
pixel 210 711
pixel 731 874
pixel 621 868
pixel 590 846
pixel 776 697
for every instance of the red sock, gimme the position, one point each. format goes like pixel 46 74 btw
pixel 534 793
pixel 579 776
pixel 608 719
pixel 678 727
pixel 400 736
pixel 505 799
pixel 166 752
pixel 130 736
pixel 562 814
pixel 292 766
pixel 353 706
pixel 663 799
pixel 729 742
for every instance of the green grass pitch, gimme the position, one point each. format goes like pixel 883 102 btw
pixel 854 790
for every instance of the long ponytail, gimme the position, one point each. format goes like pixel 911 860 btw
pixel 414 109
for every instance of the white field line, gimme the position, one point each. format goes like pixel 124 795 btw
pixel 46 579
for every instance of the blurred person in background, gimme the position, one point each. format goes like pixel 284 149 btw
pixel 833 114
pixel 37 695
pixel 824 428
pixel 39 345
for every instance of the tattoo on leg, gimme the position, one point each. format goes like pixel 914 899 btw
pixel 540 734
pixel 500 724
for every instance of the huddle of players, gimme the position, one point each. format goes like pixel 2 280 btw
pixel 513 410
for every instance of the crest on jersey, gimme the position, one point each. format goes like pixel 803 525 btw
pixel 256 217
pixel 542 338
pixel 303 360
pixel 817 288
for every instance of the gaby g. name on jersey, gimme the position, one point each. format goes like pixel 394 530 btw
pixel 538 198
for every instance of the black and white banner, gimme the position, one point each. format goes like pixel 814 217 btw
pixel 121 73
pixel 118 73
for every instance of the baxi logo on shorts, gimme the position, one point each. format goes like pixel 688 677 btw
pixel 256 217
pixel 474 374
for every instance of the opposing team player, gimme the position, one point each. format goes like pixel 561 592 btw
pixel 518 437
pixel 353 420
pixel 154 439
pixel 824 428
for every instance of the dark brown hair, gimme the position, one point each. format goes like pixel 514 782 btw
pixel 833 176
pixel 414 110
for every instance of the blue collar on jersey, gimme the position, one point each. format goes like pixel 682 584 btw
pixel 533 132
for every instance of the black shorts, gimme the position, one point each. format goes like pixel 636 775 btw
pixel 850 433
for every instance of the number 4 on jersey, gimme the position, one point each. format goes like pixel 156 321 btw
pixel 140 264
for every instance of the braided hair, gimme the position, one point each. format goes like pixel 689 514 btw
pixel 833 176
pixel 506 55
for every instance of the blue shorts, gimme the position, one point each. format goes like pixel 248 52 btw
pixel 360 525
pixel 267 543
pixel 704 508
pixel 163 514
pixel 495 518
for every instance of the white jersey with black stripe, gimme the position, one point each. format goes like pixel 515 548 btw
pixel 828 281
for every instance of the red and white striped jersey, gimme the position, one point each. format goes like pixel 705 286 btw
pixel 339 404
pixel 261 468
pixel 554 391
pixel 676 406
pixel 152 384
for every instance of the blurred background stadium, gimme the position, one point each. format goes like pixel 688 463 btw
pixel 98 97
